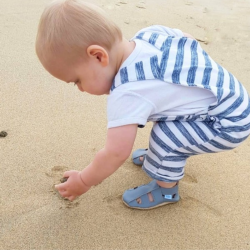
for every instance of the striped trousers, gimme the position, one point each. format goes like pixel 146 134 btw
pixel 172 142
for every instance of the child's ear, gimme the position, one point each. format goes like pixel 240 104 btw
pixel 98 53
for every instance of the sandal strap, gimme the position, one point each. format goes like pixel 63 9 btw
pixel 140 191
pixel 137 154
pixel 170 191
pixel 161 196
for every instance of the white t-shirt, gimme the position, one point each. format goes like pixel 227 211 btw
pixel 148 100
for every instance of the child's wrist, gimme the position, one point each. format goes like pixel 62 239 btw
pixel 83 181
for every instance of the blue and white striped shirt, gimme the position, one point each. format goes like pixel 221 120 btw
pixel 168 77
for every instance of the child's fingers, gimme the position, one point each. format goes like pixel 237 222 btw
pixel 66 174
pixel 64 193
pixel 60 187
pixel 71 198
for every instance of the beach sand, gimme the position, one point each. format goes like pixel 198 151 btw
pixel 53 127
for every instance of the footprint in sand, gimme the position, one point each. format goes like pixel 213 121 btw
pixel 56 174
pixel 191 203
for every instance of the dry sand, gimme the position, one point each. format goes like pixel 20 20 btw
pixel 52 127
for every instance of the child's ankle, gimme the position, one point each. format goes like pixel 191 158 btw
pixel 166 184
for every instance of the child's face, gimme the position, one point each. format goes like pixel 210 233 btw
pixel 90 76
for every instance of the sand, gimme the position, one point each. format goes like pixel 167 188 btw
pixel 53 127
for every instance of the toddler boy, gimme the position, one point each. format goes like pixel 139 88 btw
pixel 161 75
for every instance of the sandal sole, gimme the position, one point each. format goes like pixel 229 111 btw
pixel 162 204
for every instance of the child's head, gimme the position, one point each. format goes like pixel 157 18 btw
pixel 71 32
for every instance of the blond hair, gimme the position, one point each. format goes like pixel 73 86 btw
pixel 71 26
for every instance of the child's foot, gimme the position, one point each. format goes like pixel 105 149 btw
pixel 161 184
pixel 151 195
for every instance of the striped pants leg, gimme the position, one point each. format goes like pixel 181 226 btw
pixel 172 142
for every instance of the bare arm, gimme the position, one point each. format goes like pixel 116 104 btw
pixel 118 147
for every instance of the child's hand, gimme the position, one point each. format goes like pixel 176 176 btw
pixel 73 187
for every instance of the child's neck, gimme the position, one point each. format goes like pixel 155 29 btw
pixel 123 51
